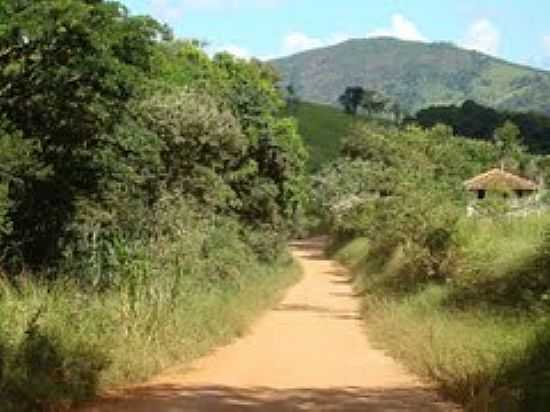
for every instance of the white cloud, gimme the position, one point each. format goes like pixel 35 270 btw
pixel 232 49
pixel 546 43
pixel 297 42
pixel 483 36
pixel 401 28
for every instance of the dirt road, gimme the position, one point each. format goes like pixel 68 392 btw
pixel 309 354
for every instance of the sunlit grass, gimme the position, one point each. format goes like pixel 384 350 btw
pixel 483 350
pixel 62 341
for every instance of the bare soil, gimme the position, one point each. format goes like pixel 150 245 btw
pixel 308 354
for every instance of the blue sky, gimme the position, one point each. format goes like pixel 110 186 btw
pixel 517 30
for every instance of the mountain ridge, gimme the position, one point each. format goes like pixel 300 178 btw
pixel 416 74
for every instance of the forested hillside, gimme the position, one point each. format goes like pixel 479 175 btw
pixel 416 75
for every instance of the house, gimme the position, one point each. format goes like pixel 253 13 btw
pixel 500 181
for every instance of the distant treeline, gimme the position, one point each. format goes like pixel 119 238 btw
pixel 480 122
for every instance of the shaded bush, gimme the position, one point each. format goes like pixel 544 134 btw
pixel 196 284
pixel 42 370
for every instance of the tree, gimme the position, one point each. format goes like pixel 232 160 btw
pixel 351 99
pixel 396 111
pixel 507 139
pixel 374 102
pixel 266 178
pixel 69 68
pixel 202 146
pixel 292 98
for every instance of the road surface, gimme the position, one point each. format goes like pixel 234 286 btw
pixel 308 354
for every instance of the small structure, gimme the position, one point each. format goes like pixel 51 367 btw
pixel 498 180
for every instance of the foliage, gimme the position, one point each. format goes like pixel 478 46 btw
pixel 461 301
pixel 477 121
pixel 372 102
pixel 416 75
pixel 398 164
pixel 482 335
pixel 202 146
pixel 268 178
pixel 507 142
pixel 69 69
pixel 322 129
pixel 292 99
pixel 146 195
pixel 352 99
pixel 100 146
pixel 197 284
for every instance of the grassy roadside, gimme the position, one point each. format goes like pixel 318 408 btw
pixel 482 336
pixel 60 343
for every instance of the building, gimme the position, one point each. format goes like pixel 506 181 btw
pixel 500 181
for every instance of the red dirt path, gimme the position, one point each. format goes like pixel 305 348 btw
pixel 308 354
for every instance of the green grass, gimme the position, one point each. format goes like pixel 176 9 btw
pixel 322 128
pixel 61 342
pixel 482 336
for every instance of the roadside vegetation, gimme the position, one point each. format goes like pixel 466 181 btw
pixel 462 301
pixel 147 191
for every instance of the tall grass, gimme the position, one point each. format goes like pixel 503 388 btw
pixel 168 300
pixel 483 334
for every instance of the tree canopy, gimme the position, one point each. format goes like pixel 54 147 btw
pixel 103 111
pixel 480 122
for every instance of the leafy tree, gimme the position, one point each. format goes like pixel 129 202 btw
pixel 15 158
pixel 374 102
pixel 292 98
pixel 270 185
pixel 396 111
pixel 351 99
pixel 68 70
pixel 266 178
pixel 201 145
pixel 507 141
pixel 480 122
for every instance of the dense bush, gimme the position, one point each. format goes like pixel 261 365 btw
pixel 196 283
pixel 460 300
pixel 146 195
pixel 403 189
pixel 476 121
pixel 119 120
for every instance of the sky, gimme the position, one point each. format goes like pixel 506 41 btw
pixel 516 30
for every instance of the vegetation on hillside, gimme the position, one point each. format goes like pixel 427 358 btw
pixel 323 129
pixel 416 75
pixel 480 122
pixel 460 300
pixel 146 193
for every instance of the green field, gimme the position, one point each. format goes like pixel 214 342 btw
pixel 322 128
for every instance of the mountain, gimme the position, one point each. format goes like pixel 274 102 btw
pixel 415 74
